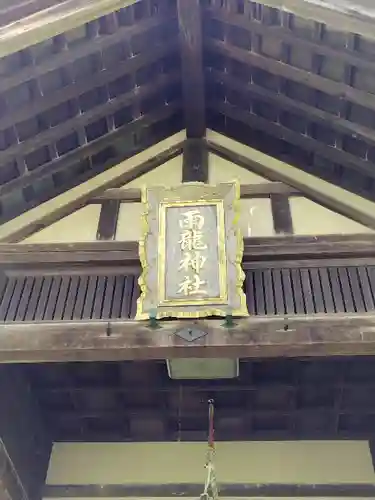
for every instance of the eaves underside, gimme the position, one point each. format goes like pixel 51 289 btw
pixel 106 81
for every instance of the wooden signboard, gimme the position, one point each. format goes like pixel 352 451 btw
pixel 191 252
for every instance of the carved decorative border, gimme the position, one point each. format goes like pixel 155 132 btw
pixel 152 199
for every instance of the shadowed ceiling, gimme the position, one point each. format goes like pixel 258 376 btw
pixel 271 399
pixel 80 102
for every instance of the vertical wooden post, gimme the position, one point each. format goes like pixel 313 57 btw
pixel 195 161
pixel 190 24
pixel 25 445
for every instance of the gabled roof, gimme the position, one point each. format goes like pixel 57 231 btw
pixel 85 85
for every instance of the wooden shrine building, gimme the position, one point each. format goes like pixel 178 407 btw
pixel 104 103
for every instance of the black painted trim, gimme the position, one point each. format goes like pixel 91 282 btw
pixel 108 220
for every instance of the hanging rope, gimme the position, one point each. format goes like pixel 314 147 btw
pixel 211 491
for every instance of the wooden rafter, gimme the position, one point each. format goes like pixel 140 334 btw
pixel 350 205
pixel 51 22
pixel 189 18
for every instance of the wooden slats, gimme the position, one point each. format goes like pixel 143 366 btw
pixel 269 291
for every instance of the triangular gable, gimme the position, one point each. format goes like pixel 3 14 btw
pixel 313 214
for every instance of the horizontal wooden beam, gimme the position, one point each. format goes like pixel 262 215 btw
pixel 314 335
pixel 226 490
pixel 261 190
pixel 126 253
pixel 54 21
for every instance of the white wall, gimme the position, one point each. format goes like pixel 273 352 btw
pixel 305 462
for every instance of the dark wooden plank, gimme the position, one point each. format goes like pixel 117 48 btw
pixel 81 297
pixel 336 290
pixel 108 220
pixel 268 285
pixel 62 297
pixel 16 298
pixel 234 490
pixel 355 288
pixel 259 292
pixel 307 291
pixel 317 291
pixel 281 214
pixel 117 297
pixel 367 290
pixel 127 297
pixel 190 24
pixel 34 299
pixel 71 297
pixel 279 291
pixel 25 298
pixel 135 296
pixel 195 161
pixel 327 290
pixel 99 297
pixel 346 289
pixel 90 297
pixel 43 298
pixel 108 297
pixel 7 298
pixel 51 302
pixel 250 291
pixel 288 291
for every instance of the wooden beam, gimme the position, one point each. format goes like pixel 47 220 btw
pixel 314 335
pixel 71 91
pixel 108 220
pixel 53 134
pixel 25 444
pixel 261 190
pixel 344 15
pixel 284 102
pixel 281 214
pixel 318 190
pixel 125 171
pixel 226 490
pixel 190 23
pixel 51 22
pixel 290 37
pixel 297 75
pixel 255 250
pixel 22 8
pixel 195 161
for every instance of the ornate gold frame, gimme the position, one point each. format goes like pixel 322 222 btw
pixel 203 308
